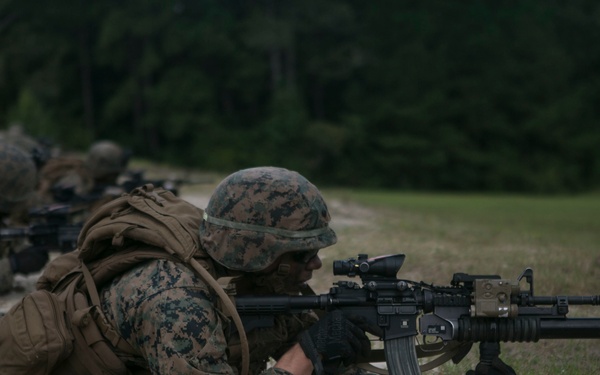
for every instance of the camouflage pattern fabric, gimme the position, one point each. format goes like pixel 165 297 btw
pixel 16 135
pixel 106 160
pixel 169 316
pixel 258 214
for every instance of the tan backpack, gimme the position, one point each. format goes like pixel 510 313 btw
pixel 60 328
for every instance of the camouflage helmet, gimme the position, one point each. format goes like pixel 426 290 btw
pixel 18 173
pixel 255 215
pixel 106 158
pixel 16 135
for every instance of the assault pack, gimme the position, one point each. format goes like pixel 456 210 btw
pixel 60 327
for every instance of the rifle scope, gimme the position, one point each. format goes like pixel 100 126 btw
pixel 383 266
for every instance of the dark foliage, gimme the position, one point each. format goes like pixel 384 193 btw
pixel 438 95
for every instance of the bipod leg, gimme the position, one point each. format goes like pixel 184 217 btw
pixel 490 362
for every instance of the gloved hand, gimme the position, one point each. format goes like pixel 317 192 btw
pixel 31 259
pixel 335 339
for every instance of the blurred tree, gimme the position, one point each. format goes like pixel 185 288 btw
pixel 443 94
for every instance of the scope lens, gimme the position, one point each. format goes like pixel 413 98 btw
pixel 342 267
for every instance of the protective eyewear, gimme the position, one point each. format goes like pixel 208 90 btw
pixel 304 256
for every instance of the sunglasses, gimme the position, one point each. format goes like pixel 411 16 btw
pixel 304 257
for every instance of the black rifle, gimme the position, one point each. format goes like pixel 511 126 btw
pixel 474 308
pixel 130 180
pixel 135 178
pixel 52 229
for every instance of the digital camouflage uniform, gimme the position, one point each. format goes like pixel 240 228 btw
pixel 169 315
pixel 165 312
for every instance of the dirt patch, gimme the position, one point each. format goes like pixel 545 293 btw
pixel 345 214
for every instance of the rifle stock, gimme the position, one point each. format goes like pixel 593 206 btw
pixel 474 308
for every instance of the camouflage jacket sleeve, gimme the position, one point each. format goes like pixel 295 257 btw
pixel 166 312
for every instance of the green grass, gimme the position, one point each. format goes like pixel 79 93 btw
pixel 559 237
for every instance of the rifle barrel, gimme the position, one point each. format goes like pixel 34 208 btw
pixel 572 300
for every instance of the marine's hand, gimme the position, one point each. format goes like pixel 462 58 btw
pixel 334 339
pixel 295 361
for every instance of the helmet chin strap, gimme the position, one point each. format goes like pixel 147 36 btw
pixel 283 270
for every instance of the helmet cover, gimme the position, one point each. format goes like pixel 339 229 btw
pixel 106 158
pixel 255 215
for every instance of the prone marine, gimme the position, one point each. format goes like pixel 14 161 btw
pixel 263 227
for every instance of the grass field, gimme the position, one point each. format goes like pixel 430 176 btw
pixel 559 237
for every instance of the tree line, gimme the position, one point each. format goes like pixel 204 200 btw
pixel 462 95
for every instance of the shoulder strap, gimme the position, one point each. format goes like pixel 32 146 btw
pixel 106 329
pixel 167 226
pixel 122 259
pixel 231 310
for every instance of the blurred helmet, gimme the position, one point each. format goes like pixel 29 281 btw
pixel 18 173
pixel 106 158
pixel 39 152
pixel 255 215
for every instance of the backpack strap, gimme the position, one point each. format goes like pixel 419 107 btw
pixel 230 309
pixel 106 329
pixel 158 220
pixel 124 259
pixel 92 352
pixel 228 285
